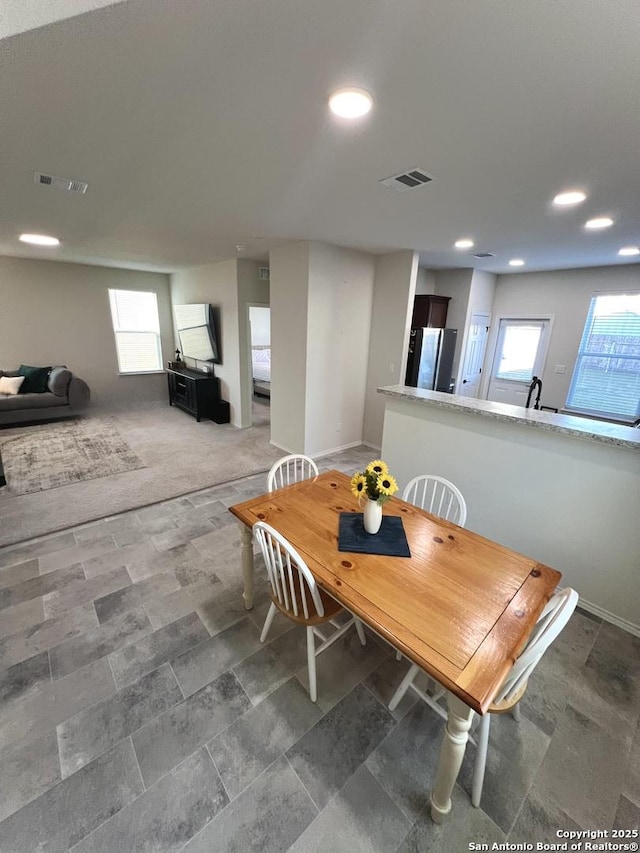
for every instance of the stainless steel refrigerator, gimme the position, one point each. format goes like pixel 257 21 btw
pixel 430 359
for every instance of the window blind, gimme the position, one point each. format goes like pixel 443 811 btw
pixel 606 377
pixel 136 325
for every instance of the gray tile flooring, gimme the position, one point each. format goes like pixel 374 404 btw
pixel 140 712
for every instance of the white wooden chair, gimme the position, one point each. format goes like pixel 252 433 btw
pixel 291 469
pixel 438 496
pixel 551 621
pixel 294 593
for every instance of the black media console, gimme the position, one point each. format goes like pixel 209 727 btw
pixel 198 394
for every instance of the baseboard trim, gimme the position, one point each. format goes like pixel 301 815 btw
pixel 280 446
pixel 323 453
pixel 606 616
pixel 337 449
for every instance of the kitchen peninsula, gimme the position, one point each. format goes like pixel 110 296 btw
pixel 562 489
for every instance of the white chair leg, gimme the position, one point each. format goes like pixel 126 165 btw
pixel 360 630
pixel 311 662
pixel 268 622
pixel 515 712
pixel 481 760
pixel 404 686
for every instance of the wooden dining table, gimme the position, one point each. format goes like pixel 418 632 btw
pixel 461 606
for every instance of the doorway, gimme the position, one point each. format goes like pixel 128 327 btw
pixel 260 344
pixel 473 359
pixel 520 354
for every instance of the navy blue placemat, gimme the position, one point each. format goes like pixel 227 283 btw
pixel 390 540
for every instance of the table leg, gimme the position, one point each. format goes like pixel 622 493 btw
pixel 246 539
pixel 454 743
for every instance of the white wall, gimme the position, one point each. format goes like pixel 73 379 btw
pixel 568 502
pixel 58 313
pixel 321 299
pixel 338 325
pixel 425 282
pixel 566 294
pixel 457 285
pixel 217 284
pixel 394 290
pixel 483 291
pixel 289 306
pixel 481 294
pixel 260 319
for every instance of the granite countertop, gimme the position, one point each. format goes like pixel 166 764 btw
pixel 584 428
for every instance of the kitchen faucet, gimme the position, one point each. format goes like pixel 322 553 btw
pixel 535 383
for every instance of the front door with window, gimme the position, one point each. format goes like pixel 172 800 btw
pixel 520 353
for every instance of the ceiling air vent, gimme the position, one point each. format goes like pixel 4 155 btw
pixel 407 180
pixel 263 273
pixel 68 184
pixel 484 255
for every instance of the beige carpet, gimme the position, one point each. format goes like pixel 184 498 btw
pixel 180 455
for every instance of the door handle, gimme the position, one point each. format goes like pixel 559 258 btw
pixel 464 381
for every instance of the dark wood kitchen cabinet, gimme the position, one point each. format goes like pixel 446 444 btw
pixel 430 310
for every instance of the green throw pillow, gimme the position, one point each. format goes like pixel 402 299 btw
pixel 35 379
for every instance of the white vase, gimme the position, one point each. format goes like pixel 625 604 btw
pixel 372 516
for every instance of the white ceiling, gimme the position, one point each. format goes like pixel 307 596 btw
pixel 202 124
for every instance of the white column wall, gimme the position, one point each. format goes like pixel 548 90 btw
pixel 425 282
pixel 289 296
pixel 338 326
pixel 483 289
pixel 394 290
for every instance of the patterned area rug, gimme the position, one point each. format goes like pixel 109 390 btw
pixel 54 455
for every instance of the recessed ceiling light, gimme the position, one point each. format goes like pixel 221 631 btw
pixel 627 251
pixel 516 262
pixel 569 197
pixel 598 222
pixel 350 103
pixel 39 240
pixel 465 243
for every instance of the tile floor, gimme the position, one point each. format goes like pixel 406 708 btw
pixel 139 711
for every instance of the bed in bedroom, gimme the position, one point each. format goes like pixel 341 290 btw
pixel 261 367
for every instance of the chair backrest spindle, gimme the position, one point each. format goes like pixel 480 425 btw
pixel 437 496
pixel 291 469
pixel 289 576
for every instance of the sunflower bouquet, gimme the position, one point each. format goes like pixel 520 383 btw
pixel 375 483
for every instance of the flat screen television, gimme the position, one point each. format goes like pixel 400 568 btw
pixel 198 332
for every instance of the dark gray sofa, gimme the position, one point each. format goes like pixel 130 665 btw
pixel 66 395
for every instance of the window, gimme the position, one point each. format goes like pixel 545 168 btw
pixel 518 350
pixel 137 329
pixel 606 377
